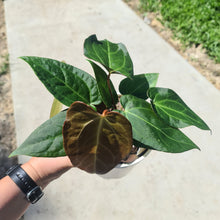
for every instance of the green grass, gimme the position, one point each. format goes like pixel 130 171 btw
pixel 192 21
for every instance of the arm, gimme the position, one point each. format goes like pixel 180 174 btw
pixel 42 170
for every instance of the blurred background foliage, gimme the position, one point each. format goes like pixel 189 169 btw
pixel 193 22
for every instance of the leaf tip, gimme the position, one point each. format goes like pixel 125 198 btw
pixel 197 148
pixel 12 154
pixel 23 58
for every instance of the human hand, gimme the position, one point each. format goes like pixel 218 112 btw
pixel 44 170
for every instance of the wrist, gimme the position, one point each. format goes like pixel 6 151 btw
pixel 34 174
pixel 27 185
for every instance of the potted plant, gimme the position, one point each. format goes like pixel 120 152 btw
pixel 100 129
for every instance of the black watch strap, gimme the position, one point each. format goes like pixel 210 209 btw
pixel 32 191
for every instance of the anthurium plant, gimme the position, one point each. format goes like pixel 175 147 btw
pixel 100 127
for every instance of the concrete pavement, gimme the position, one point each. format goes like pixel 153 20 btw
pixel 163 186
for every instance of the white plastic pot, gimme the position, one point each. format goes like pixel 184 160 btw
pixel 125 167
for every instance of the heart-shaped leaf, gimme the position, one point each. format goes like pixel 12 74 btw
pixel 149 130
pixel 67 83
pixel 114 57
pixel 171 108
pixel 138 85
pixel 110 98
pixel 96 143
pixel 46 140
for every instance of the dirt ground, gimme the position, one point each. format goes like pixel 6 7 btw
pixel 195 56
pixel 7 125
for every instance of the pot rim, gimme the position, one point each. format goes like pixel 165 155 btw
pixel 140 157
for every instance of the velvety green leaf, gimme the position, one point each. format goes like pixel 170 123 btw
pixel 114 57
pixel 139 144
pixel 171 108
pixel 109 97
pixel 65 82
pixel 46 140
pixel 151 78
pixel 138 85
pixel 96 143
pixel 150 130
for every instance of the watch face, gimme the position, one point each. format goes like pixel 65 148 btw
pixel 35 194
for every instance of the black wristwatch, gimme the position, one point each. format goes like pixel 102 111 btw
pixel 32 191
